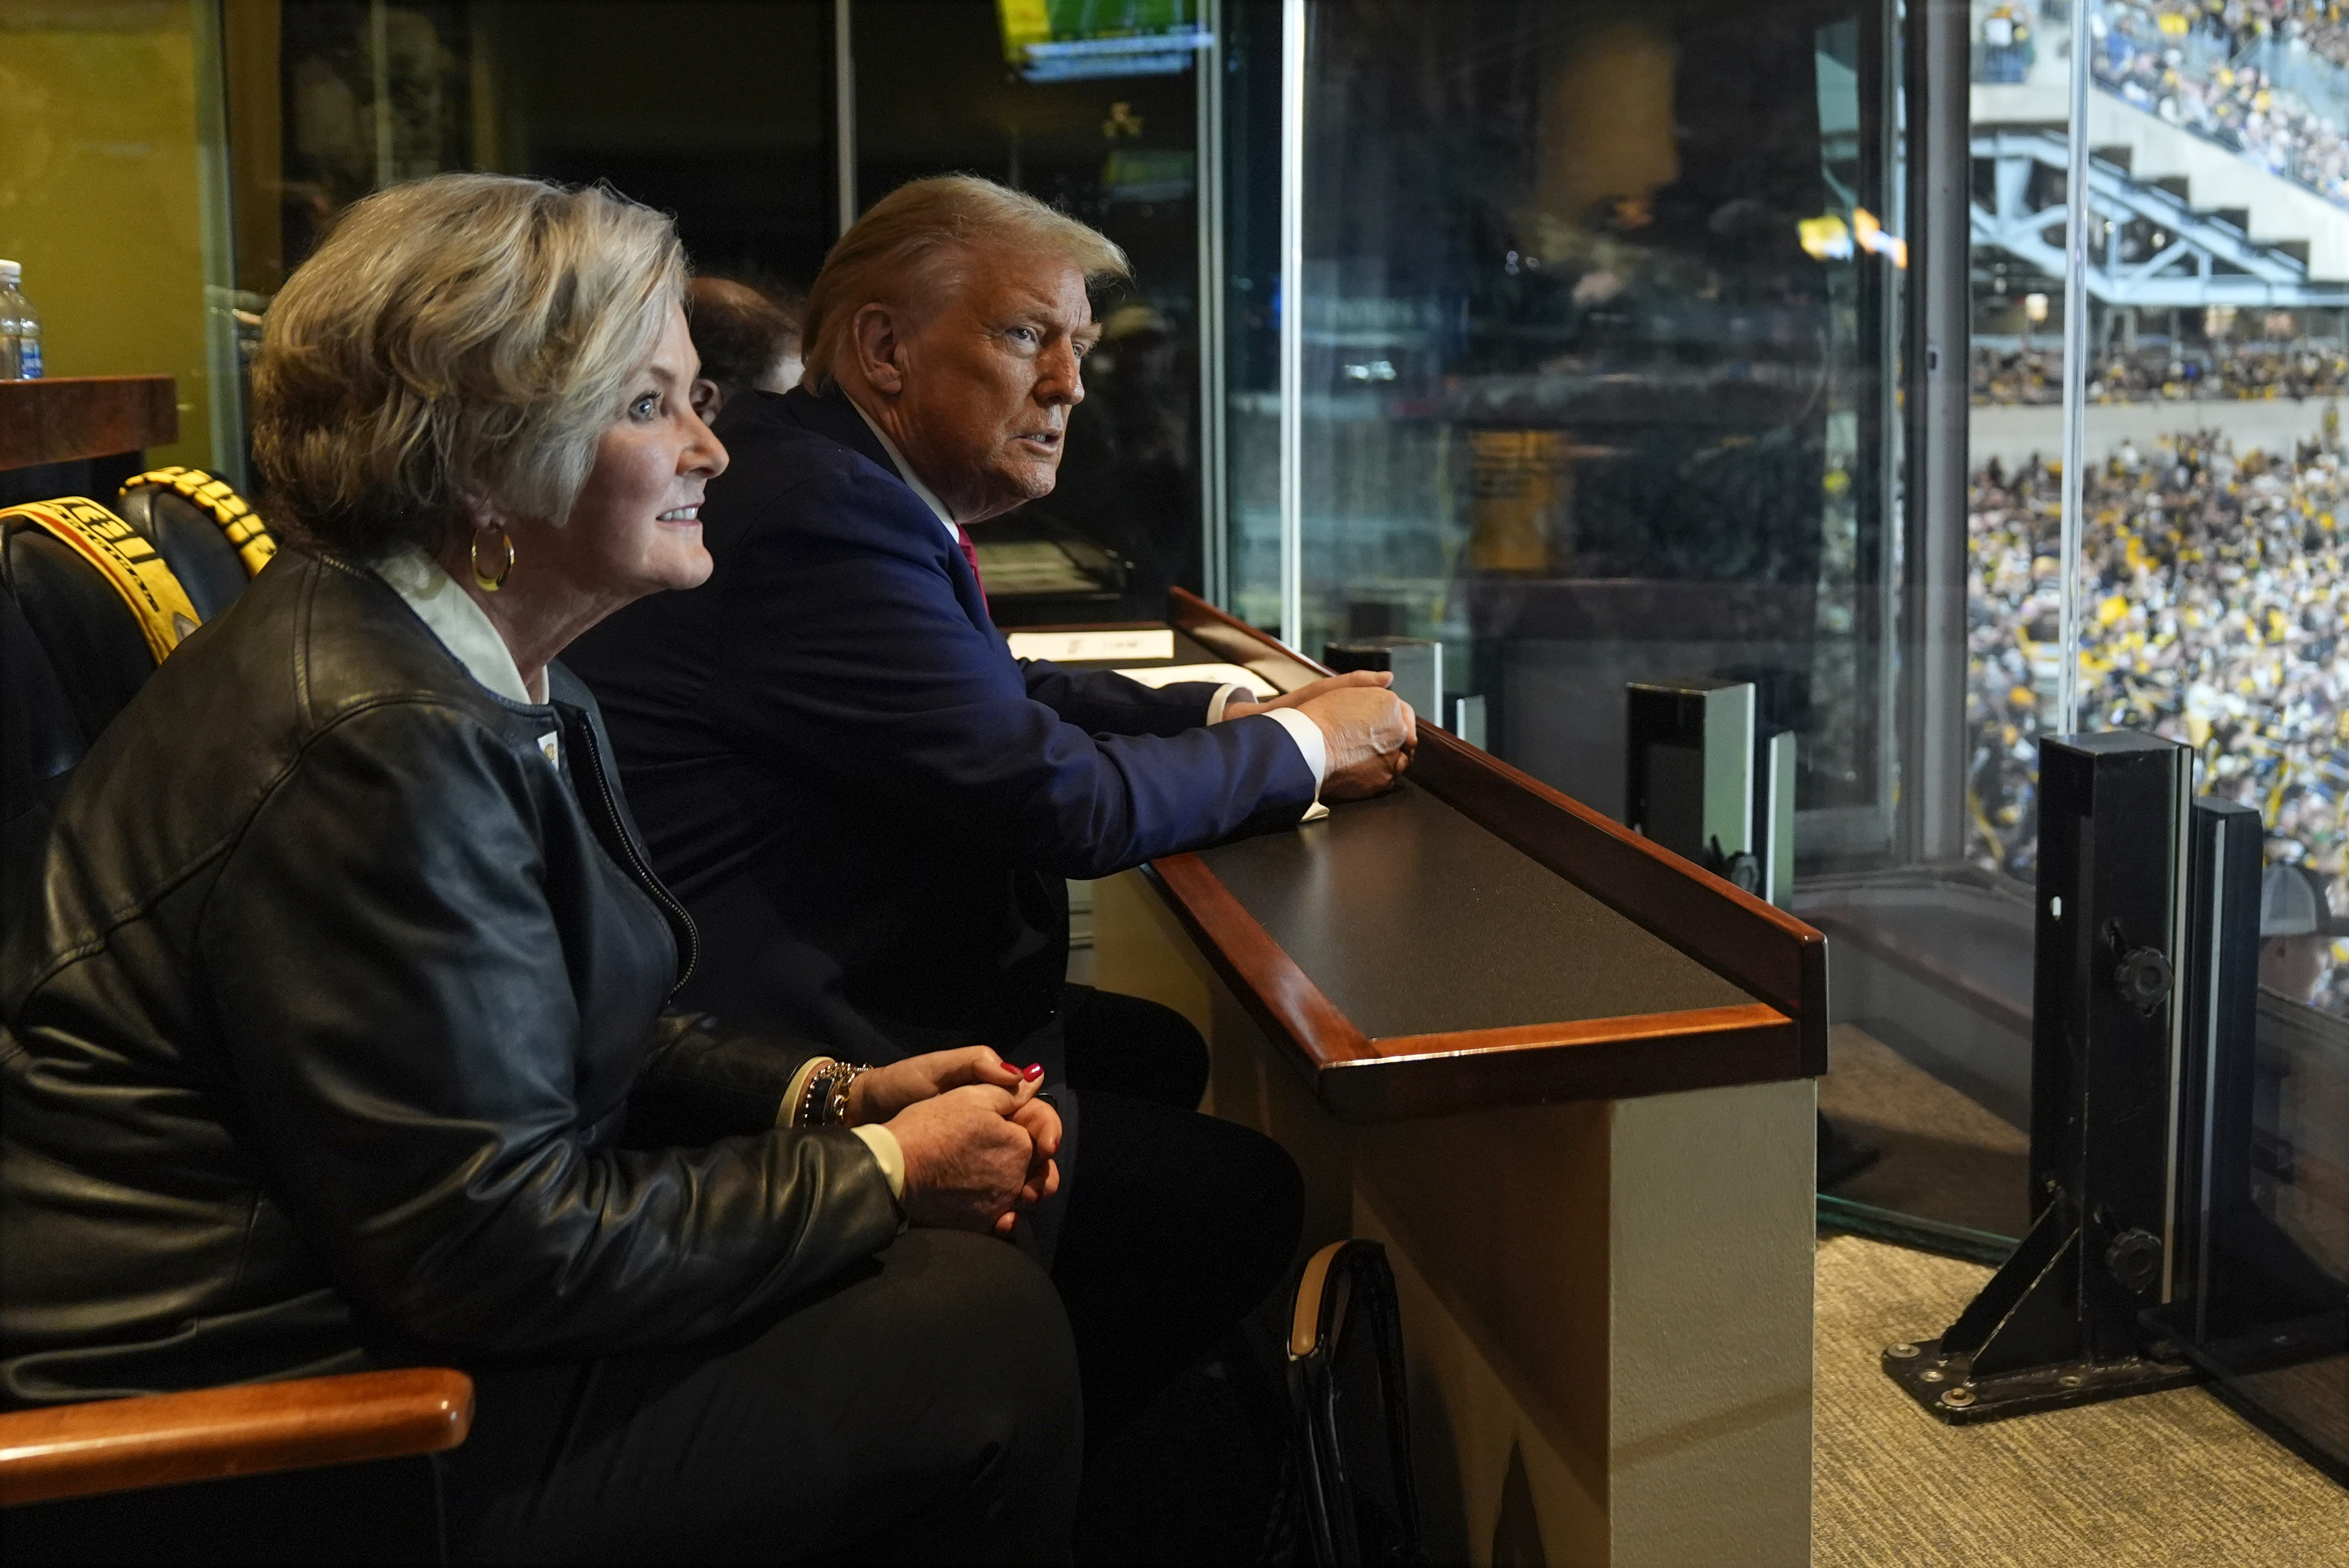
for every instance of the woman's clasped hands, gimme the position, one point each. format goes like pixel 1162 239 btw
pixel 979 1141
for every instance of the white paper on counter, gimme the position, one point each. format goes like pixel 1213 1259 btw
pixel 1221 674
pixel 1094 647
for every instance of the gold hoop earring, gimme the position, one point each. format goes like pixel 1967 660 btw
pixel 482 580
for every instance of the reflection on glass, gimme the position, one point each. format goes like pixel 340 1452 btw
pixel 1605 323
pixel 117 238
pixel 725 117
pixel 721 116
pixel 2262 1297
pixel 1094 109
pixel 1601 319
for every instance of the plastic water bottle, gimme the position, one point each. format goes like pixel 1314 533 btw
pixel 20 329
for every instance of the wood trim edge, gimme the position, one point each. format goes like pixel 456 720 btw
pixel 1259 971
pixel 210 1434
pixel 1419 1076
pixel 68 419
pixel 1755 945
pixel 1766 1050
pixel 1664 893
pixel 1687 1024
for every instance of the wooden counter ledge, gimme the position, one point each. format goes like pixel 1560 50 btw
pixel 68 417
pixel 1474 938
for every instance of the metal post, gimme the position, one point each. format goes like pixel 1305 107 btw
pixel 224 369
pixel 1215 551
pixel 1934 775
pixel 2064 1320
pixel 379 82
pixel 844 102
pixel 2075 373
pixel 1292 322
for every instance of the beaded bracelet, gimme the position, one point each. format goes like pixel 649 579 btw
pixel 825 1101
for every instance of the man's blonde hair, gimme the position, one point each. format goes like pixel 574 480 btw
pixel 904 251
pixel 462 339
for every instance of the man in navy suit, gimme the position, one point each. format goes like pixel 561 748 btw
pixel 852 782
pixel 871 807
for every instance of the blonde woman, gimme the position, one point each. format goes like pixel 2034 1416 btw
pixel 340 1040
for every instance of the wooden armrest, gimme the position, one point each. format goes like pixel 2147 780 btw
pixel 117 1445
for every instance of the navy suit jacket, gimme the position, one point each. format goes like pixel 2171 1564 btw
pixel 857 790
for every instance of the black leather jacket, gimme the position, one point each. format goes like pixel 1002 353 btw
pixel 337 1037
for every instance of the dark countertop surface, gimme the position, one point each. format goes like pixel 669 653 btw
pixel 1412 920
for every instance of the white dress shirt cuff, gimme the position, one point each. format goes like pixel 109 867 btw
pixel 887 1154
pixel 1315 749
pixel 1216 704
pixel 1309 739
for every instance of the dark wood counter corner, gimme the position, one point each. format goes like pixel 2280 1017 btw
pixel 1415 991
pixel 66 418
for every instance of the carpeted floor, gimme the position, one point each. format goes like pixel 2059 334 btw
pixel 2164 1481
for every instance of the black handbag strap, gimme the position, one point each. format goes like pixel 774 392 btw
pixel 1346 1382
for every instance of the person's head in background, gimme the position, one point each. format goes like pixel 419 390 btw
pixel 956 314
pixel 748 339
pixel 2296 931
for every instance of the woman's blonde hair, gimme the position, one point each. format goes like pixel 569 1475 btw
pixel 463 340
pixel 905 247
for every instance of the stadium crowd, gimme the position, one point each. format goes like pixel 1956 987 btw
pixel 2237 107
pixel 2215 590
pixel 2322 24
pixel 2302 369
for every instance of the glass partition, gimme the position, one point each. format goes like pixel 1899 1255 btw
pixel 2257 1292
pixel 1610 367
pixel 1714 344
pixel 1577 400
pixel 728 115
pixel 114 200
pixel 1094 109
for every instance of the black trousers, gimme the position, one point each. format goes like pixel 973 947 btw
pixel 1127 1046
pixel 1177 1224
pixel 924 1409
pixel 928 1408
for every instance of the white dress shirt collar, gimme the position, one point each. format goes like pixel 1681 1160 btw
pixel 463 627
pixel 906 471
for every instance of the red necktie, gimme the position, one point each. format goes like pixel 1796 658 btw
pixel 970 553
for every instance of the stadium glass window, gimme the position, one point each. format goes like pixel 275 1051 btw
pixel 1728 343
pixel 764 125
pixel 1706 340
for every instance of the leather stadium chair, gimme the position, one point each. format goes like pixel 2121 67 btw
pixel 76 649
pixel 92 602
pixel 213 542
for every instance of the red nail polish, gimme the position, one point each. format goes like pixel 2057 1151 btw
pixel 1035 1070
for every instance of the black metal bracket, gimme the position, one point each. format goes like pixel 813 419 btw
pixel 2017 1347
pixel 2068 1318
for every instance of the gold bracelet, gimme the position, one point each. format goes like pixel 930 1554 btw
pixel 835 1108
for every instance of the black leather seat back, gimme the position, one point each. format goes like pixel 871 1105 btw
pixel 41 740
pixel 215 542
pixel 95 647
pixel 75 653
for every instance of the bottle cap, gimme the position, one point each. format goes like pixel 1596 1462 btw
pixel 10 273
